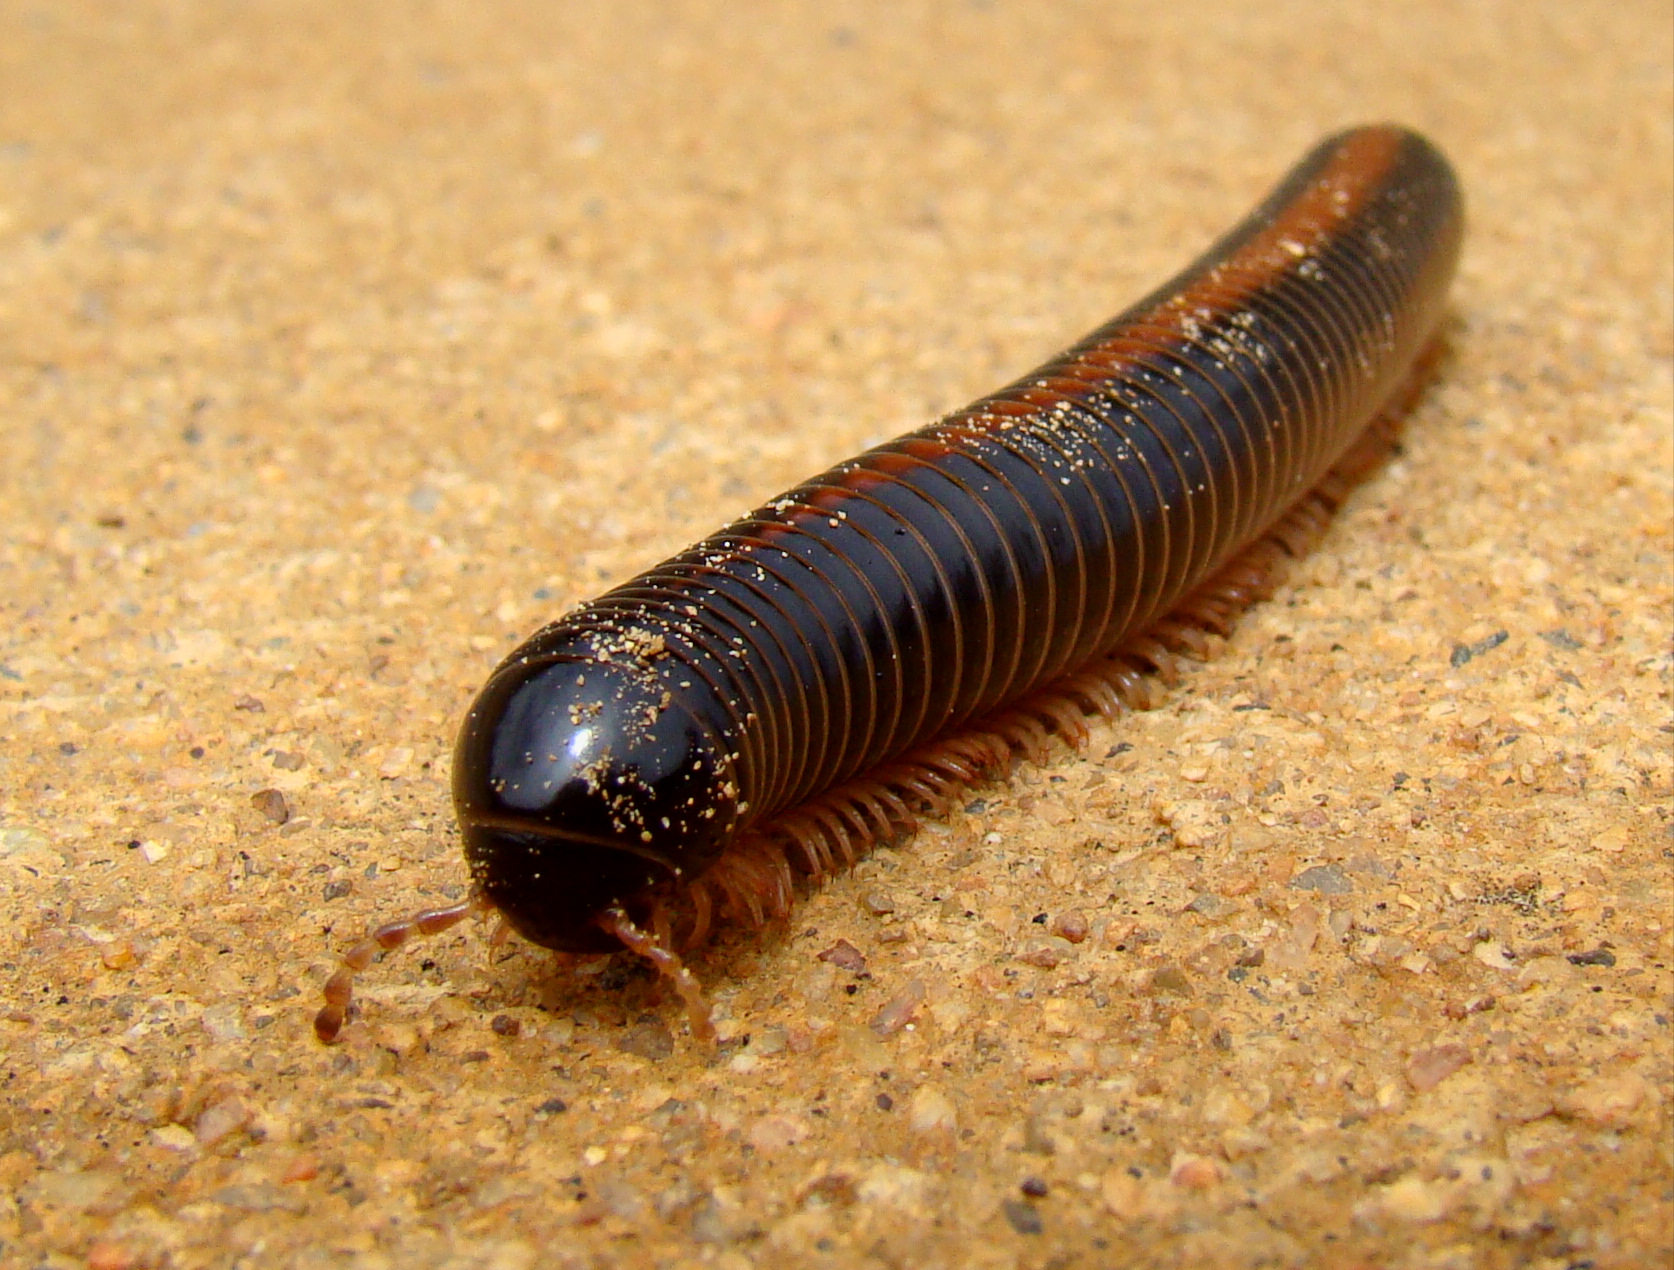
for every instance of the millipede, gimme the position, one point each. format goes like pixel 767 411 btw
pixel 855 654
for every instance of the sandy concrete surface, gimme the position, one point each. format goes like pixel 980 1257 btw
pixel 341 344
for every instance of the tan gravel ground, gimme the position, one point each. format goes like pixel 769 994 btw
pixel 342 344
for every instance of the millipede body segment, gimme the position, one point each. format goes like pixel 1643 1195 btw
pixel 815 675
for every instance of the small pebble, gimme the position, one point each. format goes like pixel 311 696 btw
pixel 76 1190
pixel 1327 879
pixel 1493 955
pixel 774 1133
pixel 898 1011
pixel 1071 926
pixel 1194 1172
pixel 1468 1007
pixel 1608 1101
pixel 220 1120
pixel 271 804
pixel 845 956
pixel 1611 840
pixel 1289 952
pixel 1045 954
pixel 1597 957
pixel 1211 906
pixel 1170 979
pixel 225 1022
pixel 174 1137
pixel 110 1254
pixel 1427 1068
pixel 931 1111
pixel 1412 1199
pixel 1063 1017
pixel 1128 1195
pixel 1023 1216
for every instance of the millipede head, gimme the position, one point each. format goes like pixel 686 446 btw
pixel 583 786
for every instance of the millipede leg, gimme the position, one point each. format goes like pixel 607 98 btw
pixel 616 921
pixel 339 989
pixel 703 908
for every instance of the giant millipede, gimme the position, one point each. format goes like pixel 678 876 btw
pixel 848 657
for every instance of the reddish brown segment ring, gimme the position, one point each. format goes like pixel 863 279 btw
pixel 815 676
